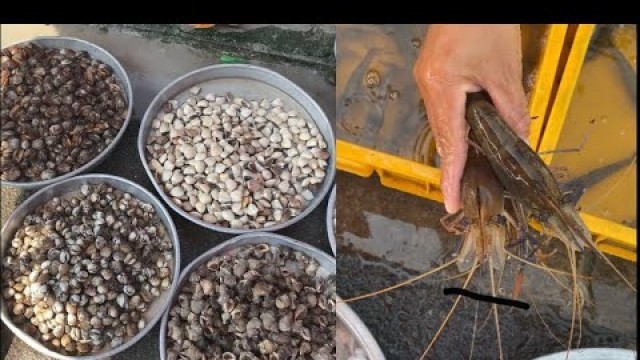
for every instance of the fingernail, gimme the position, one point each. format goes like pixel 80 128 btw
pixel 446 191
pixel 448 207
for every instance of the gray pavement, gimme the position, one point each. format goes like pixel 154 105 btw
pixel 151 64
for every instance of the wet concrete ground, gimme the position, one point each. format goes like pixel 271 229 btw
pixel 385 237
pixel 151 65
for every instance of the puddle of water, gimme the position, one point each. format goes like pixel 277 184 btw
pixel 604 108
pixel 416 248
pixel 385 237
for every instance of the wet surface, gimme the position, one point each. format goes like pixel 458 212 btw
pixel 298 44
pixel 375 89
pixel 151 66
pixel 602 122
pixel 385 237
pixel 378 104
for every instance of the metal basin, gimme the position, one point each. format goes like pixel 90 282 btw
pixel 592 354
pixel 331 225
pixel 249 82
pixel 359 331
pixel 98 53
pixel 327 263
pixel 154 311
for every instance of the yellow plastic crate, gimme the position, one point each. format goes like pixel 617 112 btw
pixel 592 94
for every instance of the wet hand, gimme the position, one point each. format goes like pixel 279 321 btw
pixel 460 59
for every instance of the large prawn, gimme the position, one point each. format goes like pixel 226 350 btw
pixel 532 186
pixel 527 179
pixel 482 224
pixel 497 206
pixel 484 235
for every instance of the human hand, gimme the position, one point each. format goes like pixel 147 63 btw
pixel 460 59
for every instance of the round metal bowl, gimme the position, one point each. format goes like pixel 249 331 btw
pixel 249 82
pixel 98 53
pixel 327 263
pixel 331 226
pixel 359 331
pixel 156 309
pixel 592 354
